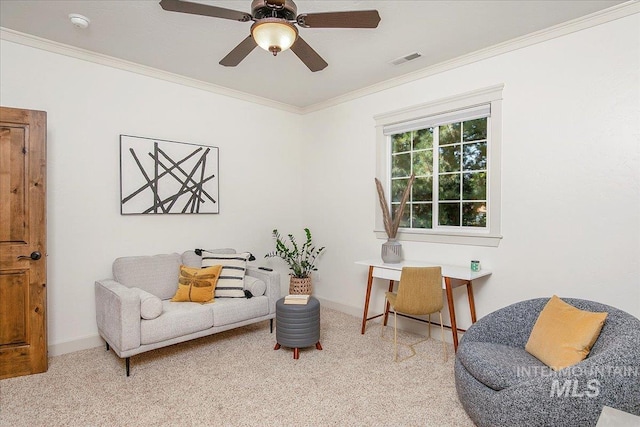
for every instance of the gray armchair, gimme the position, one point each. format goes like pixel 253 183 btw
pixel 499 383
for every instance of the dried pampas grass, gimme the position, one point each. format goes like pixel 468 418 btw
pixel 391 227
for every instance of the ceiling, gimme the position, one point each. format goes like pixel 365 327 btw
pixel 140 31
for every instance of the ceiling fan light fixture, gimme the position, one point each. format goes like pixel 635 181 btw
pixel 274 35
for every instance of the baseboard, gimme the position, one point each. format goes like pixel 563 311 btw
pixel 75 345
pixel 343 308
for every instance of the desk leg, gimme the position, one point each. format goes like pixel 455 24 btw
pixel 452 312
pixel 387 305
pixel 472 304
pixel 366 299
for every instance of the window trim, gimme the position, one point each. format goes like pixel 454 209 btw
pixel 490 236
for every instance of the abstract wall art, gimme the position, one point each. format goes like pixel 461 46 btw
pixel 167 177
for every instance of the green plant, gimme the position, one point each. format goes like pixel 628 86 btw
pixel 301 259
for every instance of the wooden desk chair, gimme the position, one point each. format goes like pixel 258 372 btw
pixel 419 293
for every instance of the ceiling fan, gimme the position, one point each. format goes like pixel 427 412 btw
pixel 273 27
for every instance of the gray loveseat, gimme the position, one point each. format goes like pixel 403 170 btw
pixel 500 384
pixel 134 312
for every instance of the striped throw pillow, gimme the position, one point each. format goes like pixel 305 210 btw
pixel 231 281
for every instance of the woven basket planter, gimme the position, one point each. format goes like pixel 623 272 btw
pixel 300 286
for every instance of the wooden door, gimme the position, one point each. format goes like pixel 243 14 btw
pixel 23 296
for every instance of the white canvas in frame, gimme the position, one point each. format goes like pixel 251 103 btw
pixel 167 177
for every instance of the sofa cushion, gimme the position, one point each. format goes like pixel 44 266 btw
pixel 197 284
pixel 563 334
pixel 232 310
pixel 499 366
pixel 157 274
pixel 231 281
pixel 177 319
pixel 150 305
pixel 254 285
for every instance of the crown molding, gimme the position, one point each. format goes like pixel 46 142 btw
pixel 121 64
pixel 601 17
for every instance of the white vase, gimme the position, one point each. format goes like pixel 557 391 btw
pixel 391 251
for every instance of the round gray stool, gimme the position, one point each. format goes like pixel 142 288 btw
pixel 298 325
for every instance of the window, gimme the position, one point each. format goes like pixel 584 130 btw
pixel 450 166
pixel 452 147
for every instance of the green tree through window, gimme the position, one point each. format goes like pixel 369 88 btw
pixel 450 164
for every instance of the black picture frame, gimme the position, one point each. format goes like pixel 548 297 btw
pixel 167 177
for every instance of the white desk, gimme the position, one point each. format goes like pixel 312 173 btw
pixel 391 272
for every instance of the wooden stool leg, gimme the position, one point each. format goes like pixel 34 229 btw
pixel 318 346
pixel 277 346
pixel 296 353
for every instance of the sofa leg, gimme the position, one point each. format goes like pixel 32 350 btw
pixel 126 363
pixel 107 345
pixel 271 325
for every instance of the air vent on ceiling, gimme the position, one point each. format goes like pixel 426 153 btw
pixel 406 58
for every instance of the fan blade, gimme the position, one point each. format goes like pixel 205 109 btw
pixel 309 56
pixel 205 10
pixel 239 52
pixel 353 19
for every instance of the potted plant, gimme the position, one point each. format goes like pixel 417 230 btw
pixel 391 249
pixel 301 260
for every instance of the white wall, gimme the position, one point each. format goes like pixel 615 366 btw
pixel 88 107
pixel 570 176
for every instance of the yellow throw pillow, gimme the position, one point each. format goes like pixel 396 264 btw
pixel 563 335
pixel 197 284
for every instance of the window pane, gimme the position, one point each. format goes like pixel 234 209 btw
pixel 475 156
pixel 401 142
pixel 450 158
pixel 400 165
pixel 397 188
pixel 422 215
pixel 449 213
pixel 449 187
pixel 474 214
pixel 404 222
pixel 474 186
pixel 423 162
pixel 422 139
pixel 449 134
pixel 422 189
pixel 474 130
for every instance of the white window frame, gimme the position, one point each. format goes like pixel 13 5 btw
pixel 487 236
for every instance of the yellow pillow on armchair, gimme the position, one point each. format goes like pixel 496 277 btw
pixel 563 334
pixel 197 284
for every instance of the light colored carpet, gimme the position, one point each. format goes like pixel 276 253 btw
pixel 237 379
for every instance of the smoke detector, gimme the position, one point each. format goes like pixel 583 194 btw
pixel 79 21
